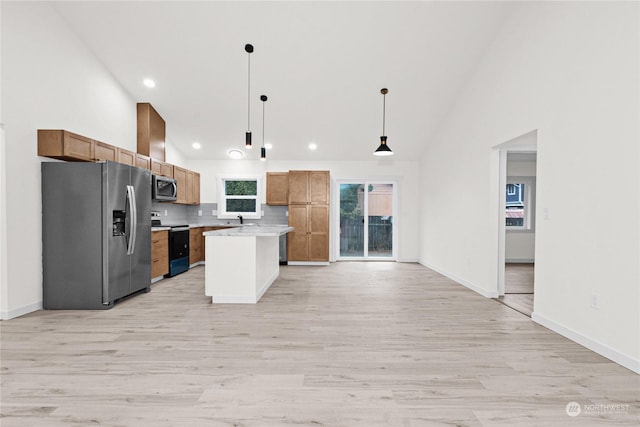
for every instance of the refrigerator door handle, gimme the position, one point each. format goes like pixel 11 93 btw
pixel 131 199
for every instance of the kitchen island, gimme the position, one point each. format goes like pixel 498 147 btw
pixel 241 263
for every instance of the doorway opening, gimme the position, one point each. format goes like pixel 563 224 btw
pixel 517 223
pixel 366 228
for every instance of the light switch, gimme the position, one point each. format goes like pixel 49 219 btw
pixel 199 212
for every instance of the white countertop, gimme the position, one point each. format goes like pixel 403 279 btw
pixel 266 230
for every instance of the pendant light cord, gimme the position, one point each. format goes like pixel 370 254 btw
pixel 263 124
pixel 249 92
pixel 384 109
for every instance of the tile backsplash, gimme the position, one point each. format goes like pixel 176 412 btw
pixel 188 214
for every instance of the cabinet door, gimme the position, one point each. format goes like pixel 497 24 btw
pixel 78 147
pixel 159 253
pixel 151 132
pixel 126 157
pixel 104 152
pixel 180 175
pixel 143 161
pixel 195 244
pixel 318 232
pixel 278 188
pixel 161 168
pixel 319 187
pixel 298 239
pixel 193 188
pixel 166 169
pixel 298 187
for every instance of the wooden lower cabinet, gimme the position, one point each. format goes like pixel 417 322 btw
pixel 196 245
pixel 310 239
pixel 159 253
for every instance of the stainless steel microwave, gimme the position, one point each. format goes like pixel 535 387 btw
pixel 164 189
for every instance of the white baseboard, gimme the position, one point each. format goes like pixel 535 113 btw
pixel 593 345
pixel 21 311
pixel 463 282
pixel 409 260
pixel 232 299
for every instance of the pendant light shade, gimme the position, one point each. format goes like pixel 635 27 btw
pixel 247 137
pixel 383 149
pixel 263 150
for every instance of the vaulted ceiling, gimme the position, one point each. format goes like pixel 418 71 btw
pixel 321 64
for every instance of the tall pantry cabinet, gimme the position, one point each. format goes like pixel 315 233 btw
pixel 309 216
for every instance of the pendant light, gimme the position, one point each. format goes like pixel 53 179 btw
pixel 263 150
pixel 247 140
pixel 383 149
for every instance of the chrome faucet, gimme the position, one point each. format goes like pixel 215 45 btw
pixel 240 218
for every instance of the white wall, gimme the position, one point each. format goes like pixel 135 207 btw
pixel 406 173
pixel 569 70
pixel 520 244
pixel 50 80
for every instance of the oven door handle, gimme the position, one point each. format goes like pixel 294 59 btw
pixel 133 221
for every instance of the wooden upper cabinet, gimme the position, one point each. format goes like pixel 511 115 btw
pixel 65 145
pixel 151 132
pixel 278 188
pixel 180 175
pixel 103 152
pixel 193 188
pixel 308 187
pixel 143 161
pixel 161 168
pixel 125 157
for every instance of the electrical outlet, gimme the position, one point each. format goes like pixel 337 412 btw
pixel 166 212
pixel 286 213
pixel 199 212
pixel 595 301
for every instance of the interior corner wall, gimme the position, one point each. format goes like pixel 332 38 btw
pixel 50 80
pixel 571 71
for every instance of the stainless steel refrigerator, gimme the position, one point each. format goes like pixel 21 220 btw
pixel 96 233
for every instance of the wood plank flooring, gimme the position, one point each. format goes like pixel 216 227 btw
pixel 351 344
pixel 518 287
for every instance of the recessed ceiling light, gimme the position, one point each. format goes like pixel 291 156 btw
pixel 313 146
pixel 196 145
pixel 149 83
pixel 235 154
pixel 268 146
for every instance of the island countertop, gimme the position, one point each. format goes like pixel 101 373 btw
pixel 266 230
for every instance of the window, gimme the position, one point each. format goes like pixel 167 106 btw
pixel 519 200
pixel 239 196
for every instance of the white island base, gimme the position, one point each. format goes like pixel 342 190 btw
pixel 241 264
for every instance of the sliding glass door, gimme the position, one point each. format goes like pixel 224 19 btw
pixel 366 220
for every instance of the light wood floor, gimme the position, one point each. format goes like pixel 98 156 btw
pixel 352 344
pixel 518 287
